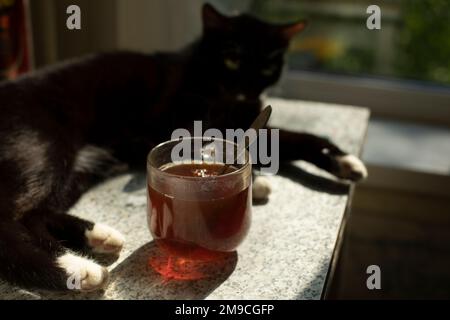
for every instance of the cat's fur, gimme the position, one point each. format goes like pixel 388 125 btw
pixel 65 128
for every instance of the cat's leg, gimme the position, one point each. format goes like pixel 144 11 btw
pixel 261 188
pixel 77 234
pixel 91 165
pixel 79 273
pixel 322 153
pixel 97 162
pixel 36 181
pixel 25 262
pixel 316 150
pixel 84 235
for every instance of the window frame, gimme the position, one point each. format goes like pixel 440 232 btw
pixel 396 99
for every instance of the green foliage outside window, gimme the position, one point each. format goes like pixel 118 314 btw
pixel 413 43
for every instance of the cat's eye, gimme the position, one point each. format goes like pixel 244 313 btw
pixel 269 71
pixel 232 64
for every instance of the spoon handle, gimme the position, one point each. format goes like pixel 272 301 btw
pixel 259 123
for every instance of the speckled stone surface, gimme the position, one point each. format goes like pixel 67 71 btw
pixel 290 244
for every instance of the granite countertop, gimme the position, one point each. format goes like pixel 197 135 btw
pixel 290 246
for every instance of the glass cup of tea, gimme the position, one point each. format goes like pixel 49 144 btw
pixel 199 209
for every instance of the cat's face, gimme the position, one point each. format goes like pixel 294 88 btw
pixel 245 54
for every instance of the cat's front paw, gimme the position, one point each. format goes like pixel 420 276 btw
pixel 350 167
pixel 261 188
pixel 104 239
pixel 83 274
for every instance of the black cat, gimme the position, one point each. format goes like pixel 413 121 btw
pixel 65 128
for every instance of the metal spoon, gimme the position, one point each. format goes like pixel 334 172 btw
pixel 259 123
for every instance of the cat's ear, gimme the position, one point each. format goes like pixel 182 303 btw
pixel 290 30
pixel 212 19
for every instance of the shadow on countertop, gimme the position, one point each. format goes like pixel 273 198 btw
pixel 312 181
pixel 134 278
pixel 314 290
pixel 137 182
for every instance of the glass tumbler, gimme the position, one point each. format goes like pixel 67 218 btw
pixel 198 209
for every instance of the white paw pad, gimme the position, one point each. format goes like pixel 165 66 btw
pixel 350 167
pixel 83 274
pixel 261 188
pixel 104 239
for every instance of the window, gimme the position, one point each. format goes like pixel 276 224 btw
pixel 401 71
pixel 414 42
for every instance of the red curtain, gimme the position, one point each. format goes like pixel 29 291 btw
pixel 15 35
